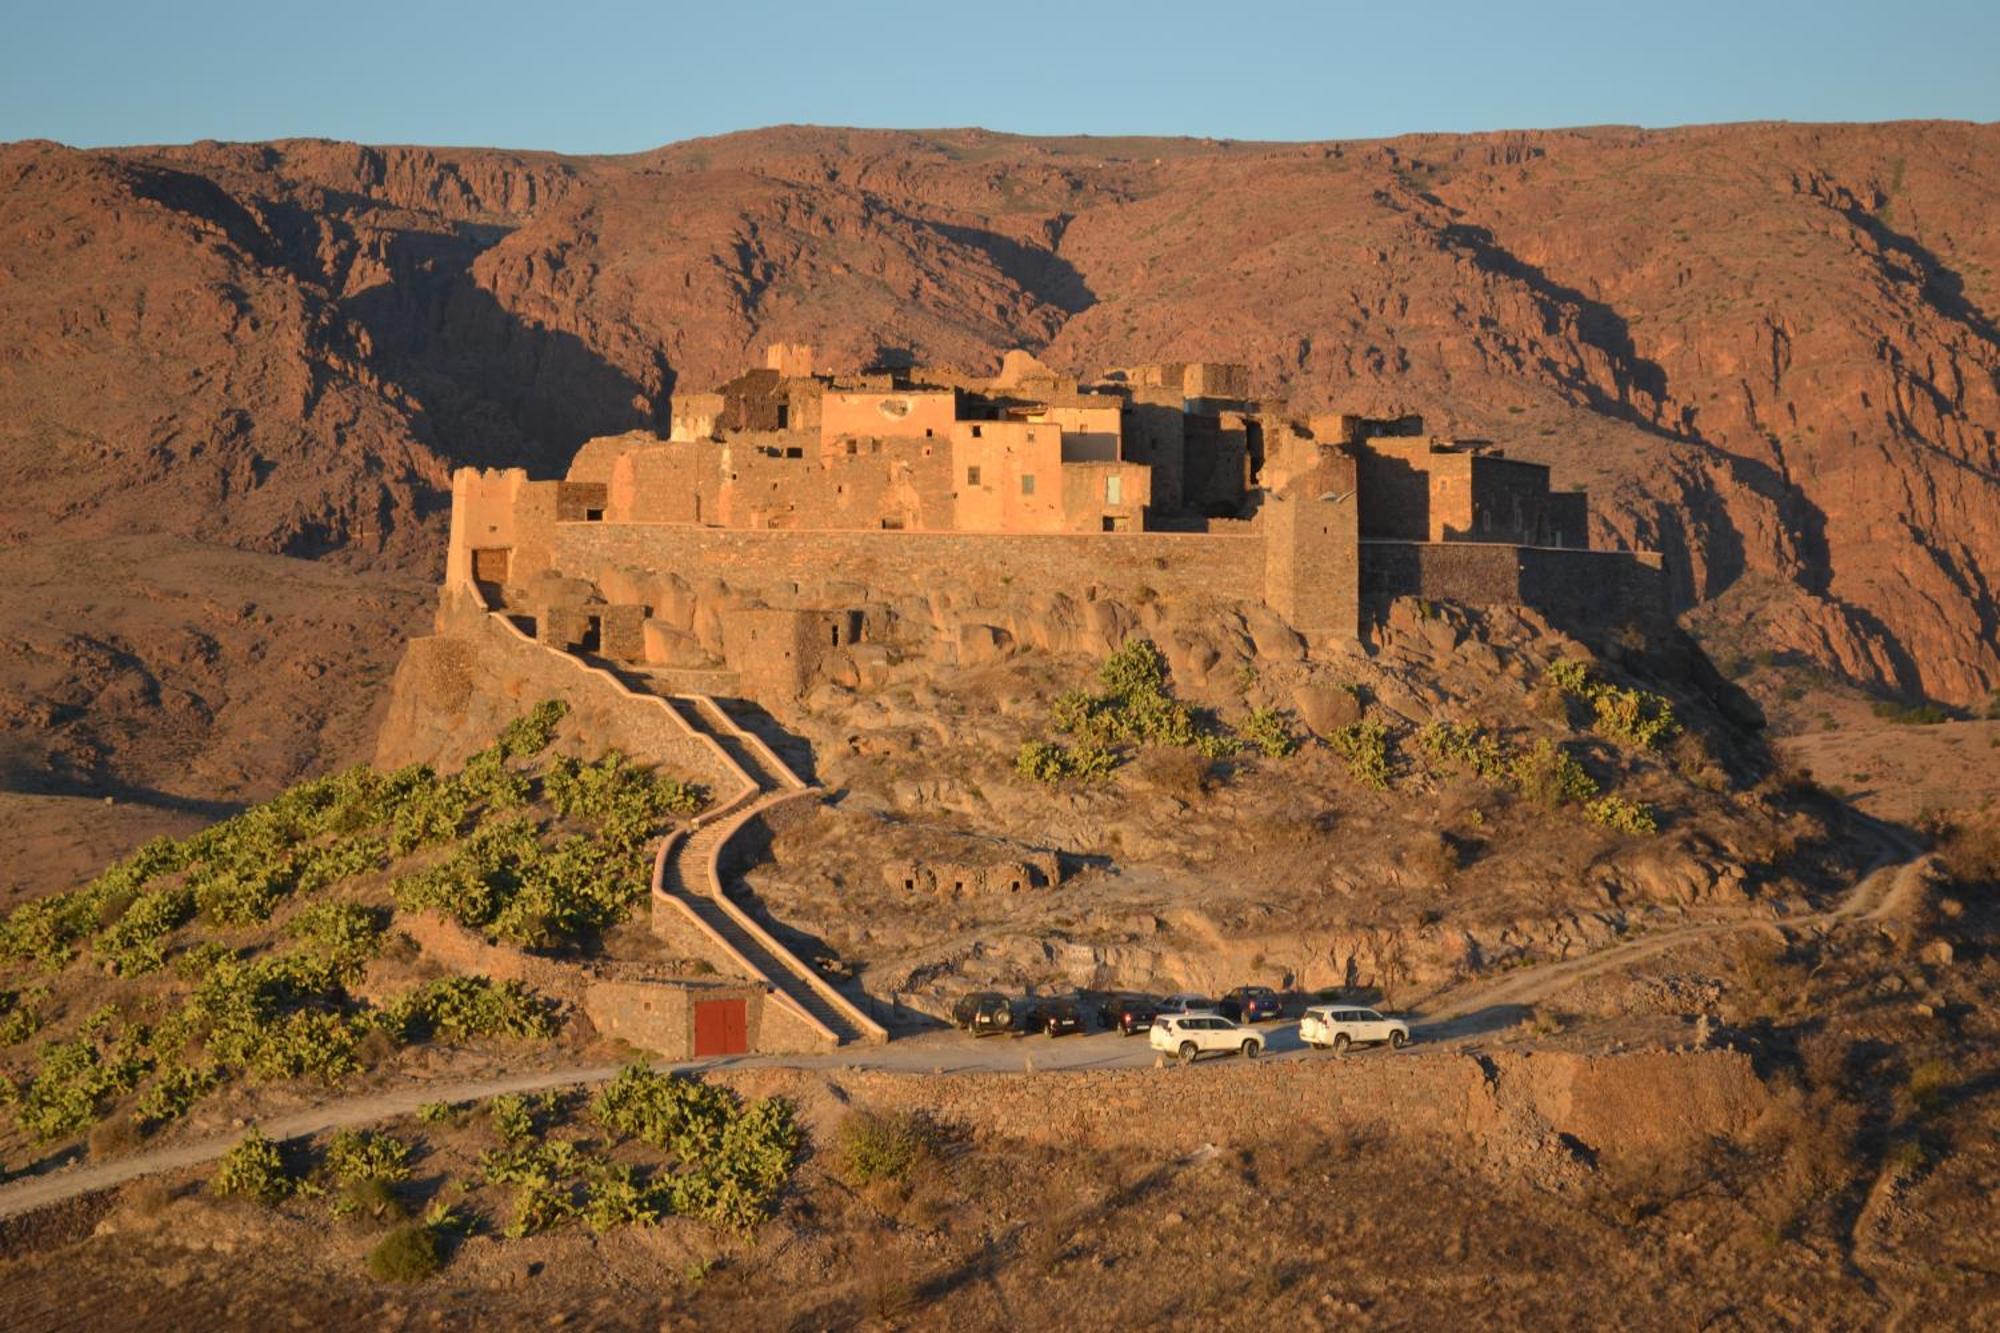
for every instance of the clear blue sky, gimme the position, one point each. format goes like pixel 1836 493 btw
pixel 622 76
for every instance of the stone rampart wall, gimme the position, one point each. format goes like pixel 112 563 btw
pixel 1174 566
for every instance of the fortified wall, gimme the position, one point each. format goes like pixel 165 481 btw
pixel 799 526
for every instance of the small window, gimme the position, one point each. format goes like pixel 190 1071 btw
pixel 972 476
pixel 928 432
pixel 975 432
pixel 1114 489
pixel 853 447
pixel 1027 483
pixel 793 451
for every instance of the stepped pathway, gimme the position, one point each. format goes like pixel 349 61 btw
pixel 690 873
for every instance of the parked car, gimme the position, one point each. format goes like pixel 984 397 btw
pixel 1056 1017
pixel 1336 1027
pixel 983 1013
pixel 1185 1002
pixel 1128 1014
pixel 1189 1036
pixel 1251 1004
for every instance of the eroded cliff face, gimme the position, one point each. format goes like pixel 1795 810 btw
pixel 1767 349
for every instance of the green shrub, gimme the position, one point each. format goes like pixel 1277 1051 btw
pixel 353 1155
pixel 1365 746
pixel 346 935
pixel 1550 776
pixel 176 1087
pixel 1270 731
pixel 875 1146
pixel 136 943
pixel 1626 816
pixel 531 733
pixel 513 1122
pixel 1634 717
pixel 437 1113
pixel 72 1082
pixel 546 1175
pixel 407 1254
pixel 21 1014
pixel 733 1158
pixel 1568 676
pixel 463 1008
pixel 615 1197
pixel 1465 747
pixel 1911 715
pixel 254 1169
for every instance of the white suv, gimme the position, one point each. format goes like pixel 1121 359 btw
pixel 1336 1027
pixel 1186 1036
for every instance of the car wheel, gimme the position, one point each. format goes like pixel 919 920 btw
pixel 1251 1049
pixel 1340 1044
pixel 1398 1040
pixel 1187 1052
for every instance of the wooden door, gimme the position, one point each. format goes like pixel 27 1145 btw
pixel 721 1027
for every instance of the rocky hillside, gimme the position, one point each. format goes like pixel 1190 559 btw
pixel 1767 348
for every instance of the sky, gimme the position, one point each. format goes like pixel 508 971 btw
pixel 622 76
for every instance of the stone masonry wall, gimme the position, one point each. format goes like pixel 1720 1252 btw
pixel 1175 566
pixel 1564 583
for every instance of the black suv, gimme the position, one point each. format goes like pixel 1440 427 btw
pixel 1056 1017
pixel 983 1012
pixel 1129 1014
pixel 1251 1004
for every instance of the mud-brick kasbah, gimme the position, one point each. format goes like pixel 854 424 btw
pixel 801 527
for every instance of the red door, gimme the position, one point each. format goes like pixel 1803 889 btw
pixel 721 1027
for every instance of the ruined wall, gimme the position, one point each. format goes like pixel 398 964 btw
pixel 1511 501
pixel 1175 566
pixel 454 690
pixel 1596 587
pixel 1215 467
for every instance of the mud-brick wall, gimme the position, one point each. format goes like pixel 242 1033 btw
pixel 1175 566
pixel 454 690
pixel 1599 587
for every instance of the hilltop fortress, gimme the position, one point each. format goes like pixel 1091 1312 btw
pixel 798 526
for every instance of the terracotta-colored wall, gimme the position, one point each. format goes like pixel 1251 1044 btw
pixel 920 413
pixel 1006 455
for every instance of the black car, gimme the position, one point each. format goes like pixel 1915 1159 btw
pixel 1128 1014
pixel 983 1012
pixel 1251 1004
pixel 1058 1018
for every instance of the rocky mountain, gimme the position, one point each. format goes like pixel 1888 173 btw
pixel 1766 348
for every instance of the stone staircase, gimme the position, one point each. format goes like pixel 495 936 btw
pixel 689 876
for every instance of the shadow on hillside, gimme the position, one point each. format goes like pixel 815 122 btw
pixel 496 389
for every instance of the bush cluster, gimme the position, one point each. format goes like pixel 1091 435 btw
pixel 1638 718
pixel 731 1158
pixel 254 1169
pixel 310 837
pixel 1135 706
pixel 875 1146
pixel 1364 743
